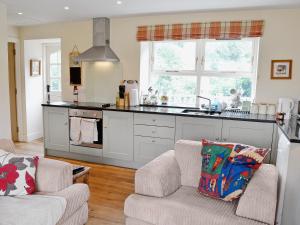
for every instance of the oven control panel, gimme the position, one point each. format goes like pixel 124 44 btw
pixel 95 114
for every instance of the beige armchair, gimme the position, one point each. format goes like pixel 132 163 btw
pixel 166 194
pixel 55 178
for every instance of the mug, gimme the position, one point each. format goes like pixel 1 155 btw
pixel 254 108
pixel 271 110
pixel 262 109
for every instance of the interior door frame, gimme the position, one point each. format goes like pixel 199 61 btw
pixel 20 89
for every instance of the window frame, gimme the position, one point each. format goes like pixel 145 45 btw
pixel 200 72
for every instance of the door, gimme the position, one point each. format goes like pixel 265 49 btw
pixel 56 128
pixel 13 90
pixel 118 135
pixel 148 148
pixel 249 133
pixel 195 129
pixel 53 70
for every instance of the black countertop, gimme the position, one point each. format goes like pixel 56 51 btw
pixel 164 111
pixel 291 128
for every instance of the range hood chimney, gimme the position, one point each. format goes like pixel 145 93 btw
pixel 100 50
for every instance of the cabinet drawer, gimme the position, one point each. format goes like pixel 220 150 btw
pixel 154 131
pixel 154 120
pixel 147 148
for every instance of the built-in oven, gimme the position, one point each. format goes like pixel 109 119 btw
pixel 89 114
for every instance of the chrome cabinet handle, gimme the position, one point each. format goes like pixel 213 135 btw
pixel 66 123
pixel 154 120
pixel 217 139
pixel 224 139
pixel 153 141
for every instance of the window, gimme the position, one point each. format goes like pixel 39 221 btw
pixel 211 68
pixel 53 67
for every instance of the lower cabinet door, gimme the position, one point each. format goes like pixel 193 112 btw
pixel 195 129
pixel 148 148
pixel 249 133
pixel 118 135
pixel 56 128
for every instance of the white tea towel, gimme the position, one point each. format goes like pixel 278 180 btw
pixel 75 128
pixel 89 132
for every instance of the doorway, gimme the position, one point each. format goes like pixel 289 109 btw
pixel 13 90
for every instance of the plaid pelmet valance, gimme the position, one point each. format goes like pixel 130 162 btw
pixel 209 30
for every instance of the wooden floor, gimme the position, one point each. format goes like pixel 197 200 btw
pixel 109 187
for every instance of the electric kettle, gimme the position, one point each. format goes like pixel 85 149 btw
pixel 286 105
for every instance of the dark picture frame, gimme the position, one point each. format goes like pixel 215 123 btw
pixel 281 69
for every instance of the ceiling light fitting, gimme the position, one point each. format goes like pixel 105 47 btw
pixel 119 2
pixel 66 7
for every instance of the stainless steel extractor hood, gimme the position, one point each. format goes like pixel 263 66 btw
pixel 100 50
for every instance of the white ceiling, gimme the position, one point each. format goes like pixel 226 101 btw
pixel 46 11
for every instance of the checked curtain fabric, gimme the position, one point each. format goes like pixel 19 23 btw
pixel 208 30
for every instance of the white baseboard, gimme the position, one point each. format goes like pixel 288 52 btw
pixel 34 136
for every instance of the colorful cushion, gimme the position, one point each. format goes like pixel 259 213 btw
pixel 17 173
pixel 227 168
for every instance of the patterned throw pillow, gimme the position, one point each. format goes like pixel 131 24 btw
pixel 17 173
pixel 227 168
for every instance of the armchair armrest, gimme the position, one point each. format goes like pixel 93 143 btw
pixel 260 197
pixel 160 177
pixel 53 175
pixel 7 145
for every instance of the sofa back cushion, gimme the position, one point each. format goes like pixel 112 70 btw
pixel 188 156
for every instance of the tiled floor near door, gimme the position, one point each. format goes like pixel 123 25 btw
pixel 109 187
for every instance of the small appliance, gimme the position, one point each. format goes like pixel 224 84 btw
pixel 286 105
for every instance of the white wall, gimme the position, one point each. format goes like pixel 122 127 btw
pixel 5 127
pixel 33 91
pixel 280 41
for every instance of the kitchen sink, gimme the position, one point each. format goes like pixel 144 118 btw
pixel 199 111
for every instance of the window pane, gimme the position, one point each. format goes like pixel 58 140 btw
pixel 55 85
pixel 55 57
pixel 181 90
pixel 219 88
pixel 54 70
pixel 228 55
pixel 174 55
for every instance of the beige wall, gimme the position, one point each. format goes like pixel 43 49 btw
pixel 280 41
pixel 5 129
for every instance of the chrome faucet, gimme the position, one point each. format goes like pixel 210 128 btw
pixel 209 101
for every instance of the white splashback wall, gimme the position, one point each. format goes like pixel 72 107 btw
pixel 101 80
pixel 280 41
pixel 5 127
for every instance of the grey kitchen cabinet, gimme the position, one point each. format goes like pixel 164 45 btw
pixel 148 148
pixel 153 135
pixel 250 133
pixel 56 128
pixel 195 129
pixel 118 135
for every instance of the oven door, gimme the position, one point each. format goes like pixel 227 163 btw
pixel 89 114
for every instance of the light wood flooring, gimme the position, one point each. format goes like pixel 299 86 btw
pixel 109 187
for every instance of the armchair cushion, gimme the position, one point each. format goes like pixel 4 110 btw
pixel 259 199
pixel 160 177
pixel 17 173
pixel 53 175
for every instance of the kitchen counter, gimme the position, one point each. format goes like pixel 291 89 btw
pixel 78 105
pixel 176 111
pixel 291 129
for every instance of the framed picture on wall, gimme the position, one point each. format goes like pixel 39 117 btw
pixel 35 67
pixel 281 69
